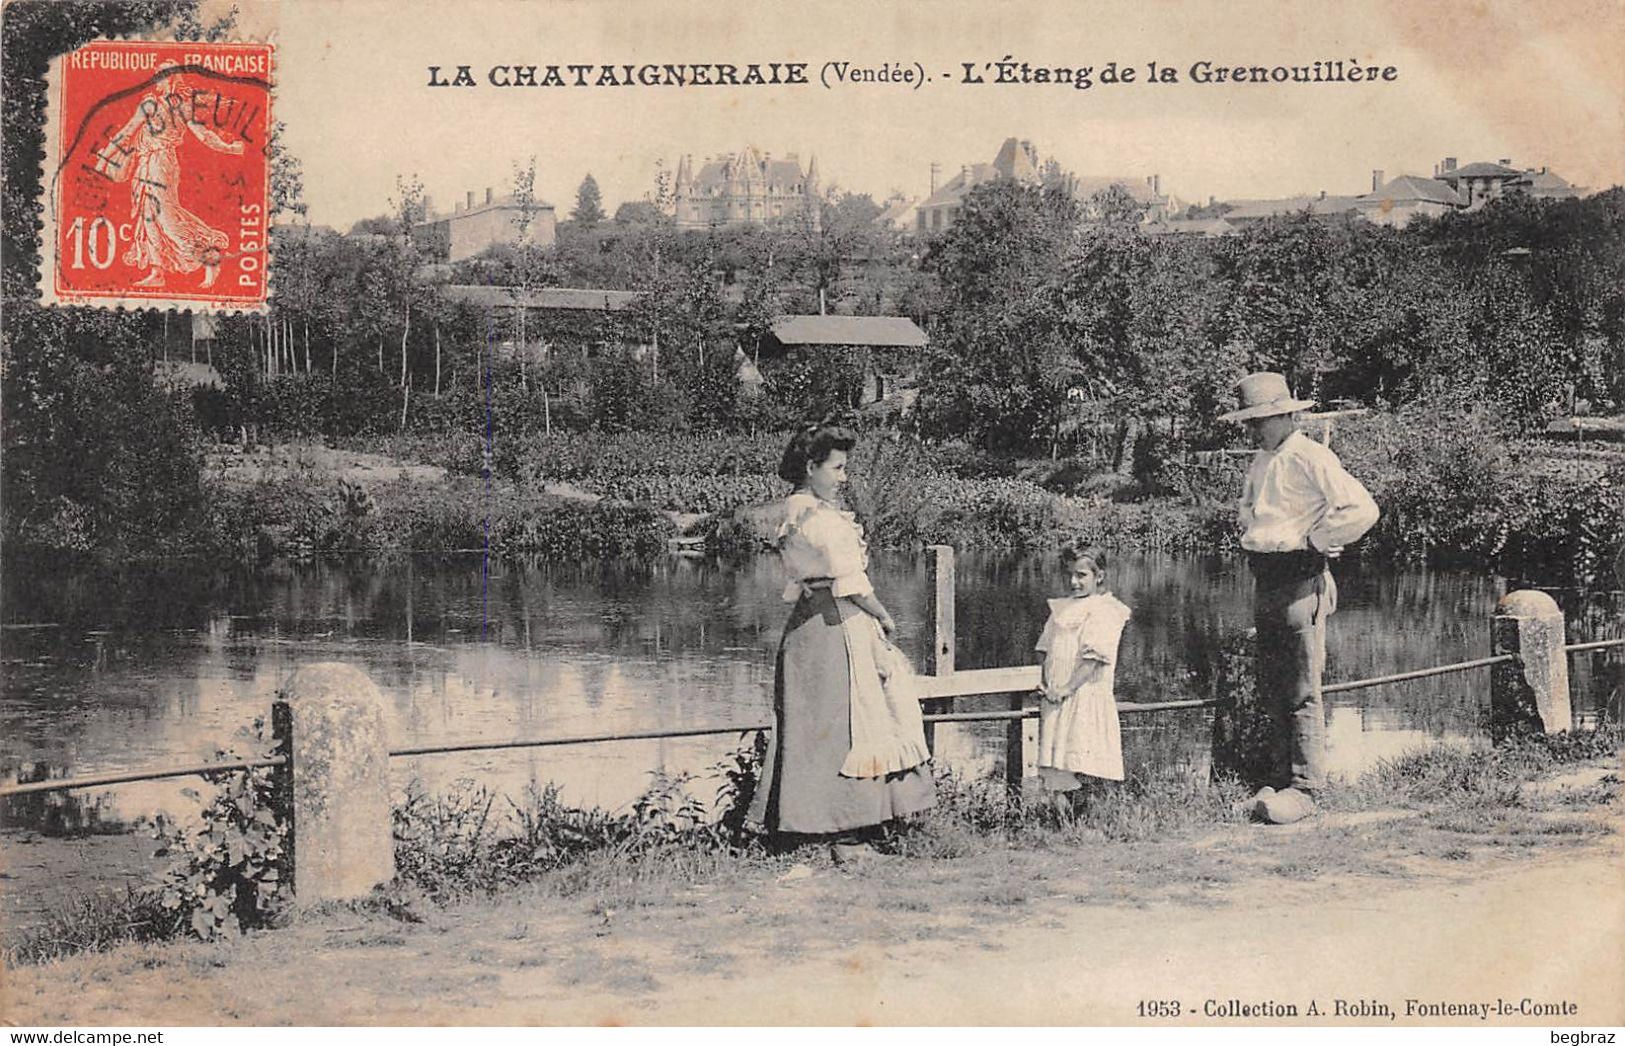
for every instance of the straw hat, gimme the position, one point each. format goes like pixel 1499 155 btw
pixel 1262 395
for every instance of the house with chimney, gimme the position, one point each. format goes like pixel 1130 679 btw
pixel 1479 183
pixel 1400 200
pixel 1457 188
pixel 474 226
pixel 749 187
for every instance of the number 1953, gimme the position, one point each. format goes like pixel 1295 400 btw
pixel 1159 1008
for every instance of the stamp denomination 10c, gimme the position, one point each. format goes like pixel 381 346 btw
pixel 158 176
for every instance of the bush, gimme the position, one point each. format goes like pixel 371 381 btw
pixel 304 516
pixel 95 923
pixel 688 493
pixel 227 872
pixel 1453 489
pixel 466 842
pixel 596 459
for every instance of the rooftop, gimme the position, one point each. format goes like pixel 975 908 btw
pixel 878 331
pixel 1482 170
pixel 1409 188
pixel 582 299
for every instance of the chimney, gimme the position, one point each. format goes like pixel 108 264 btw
pixel 1449 164
pixel 1376 180
pixel 1505 161
pixel 1212 201
pixel 1323 194
pixel 1544 169
pixel 469 206
pixel 1156 185
pixel 488 195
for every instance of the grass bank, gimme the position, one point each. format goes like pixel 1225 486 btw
pixel 1454 488
pixel 1431 892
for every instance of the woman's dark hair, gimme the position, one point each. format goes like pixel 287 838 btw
pixel 812 446
pixel 1072 551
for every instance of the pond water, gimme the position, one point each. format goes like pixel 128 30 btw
pixel 108 672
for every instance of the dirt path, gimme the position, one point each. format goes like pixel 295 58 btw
pixel 1357 907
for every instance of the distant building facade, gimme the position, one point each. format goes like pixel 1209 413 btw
pixel 472 227
pixel 1479 183
pixel 1250 212
pixel 1408 197
pixel 748 187
pixel 1146 192
pixel 1018 161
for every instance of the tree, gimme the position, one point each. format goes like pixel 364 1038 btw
pixel 409 211
pixel 1114 205
pixel 97 458
pixel 1003 330
pixel 530 264
pixel 589 209
pixel 636 212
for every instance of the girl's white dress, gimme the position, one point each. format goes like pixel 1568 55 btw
pixel 1078 732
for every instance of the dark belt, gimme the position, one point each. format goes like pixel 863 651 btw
pixel 810 585
pixel 1282 567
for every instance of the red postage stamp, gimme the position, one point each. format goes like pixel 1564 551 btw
pixel 158 176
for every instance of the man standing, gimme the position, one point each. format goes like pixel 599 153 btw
pixel 1298 509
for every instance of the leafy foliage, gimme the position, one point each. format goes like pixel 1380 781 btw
pixel 226 872
pixel 465 841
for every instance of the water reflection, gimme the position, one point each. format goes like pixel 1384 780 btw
pixel 104 672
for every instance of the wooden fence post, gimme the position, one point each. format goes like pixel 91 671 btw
pixel 1532 692
pixel 339 769
pixel 940 600
pixel 1020 746
pixel 282 788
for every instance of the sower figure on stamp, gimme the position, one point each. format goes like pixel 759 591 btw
pixel 166 237
pixel 1298 508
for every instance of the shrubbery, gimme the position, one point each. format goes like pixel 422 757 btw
pixel 295 516
pixel 1454 490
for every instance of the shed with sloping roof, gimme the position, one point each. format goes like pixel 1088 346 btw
pixel 889 349
pixel 532 321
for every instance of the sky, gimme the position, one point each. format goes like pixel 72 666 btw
pixel 1539 84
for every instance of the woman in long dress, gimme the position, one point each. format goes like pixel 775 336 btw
pixel 166 236
pixel 848 751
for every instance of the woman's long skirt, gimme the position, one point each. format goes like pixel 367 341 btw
pixel 802 790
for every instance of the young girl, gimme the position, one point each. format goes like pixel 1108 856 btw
pixel 1078 732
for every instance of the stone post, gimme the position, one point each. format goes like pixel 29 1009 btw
pixel 331 720
pixel 1531 693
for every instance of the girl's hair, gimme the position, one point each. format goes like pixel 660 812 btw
pixel 812 446
pixel 1072 551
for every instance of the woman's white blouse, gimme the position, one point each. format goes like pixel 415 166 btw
pixel 818 541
